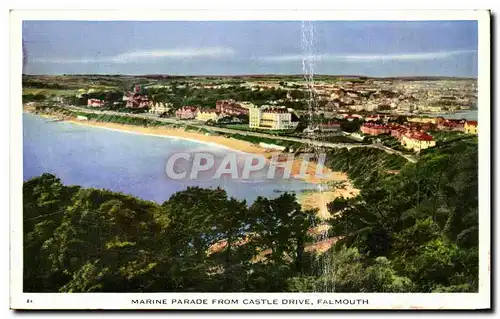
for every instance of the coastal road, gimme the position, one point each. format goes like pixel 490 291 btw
pixel 312 142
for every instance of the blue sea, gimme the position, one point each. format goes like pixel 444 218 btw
pixel 471 115
pixel 129 163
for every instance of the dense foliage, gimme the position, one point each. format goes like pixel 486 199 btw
pixel 365 166
pixel 422 221
pixel 414 231
pixel 41 84
pixel 33 98
pixel 89 240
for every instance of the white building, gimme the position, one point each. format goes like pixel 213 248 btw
pixel 205 115
pixel 159 108
pixel 273 118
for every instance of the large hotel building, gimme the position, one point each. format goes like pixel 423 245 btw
pixel 272 118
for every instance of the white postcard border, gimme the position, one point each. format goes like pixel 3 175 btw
pixel 21 300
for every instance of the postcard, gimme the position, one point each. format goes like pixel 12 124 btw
pixel 203 160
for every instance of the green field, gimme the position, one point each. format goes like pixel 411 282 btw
pixel 61 92
pixel 48 92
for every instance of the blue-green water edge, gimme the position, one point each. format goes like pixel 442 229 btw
pixel 129 163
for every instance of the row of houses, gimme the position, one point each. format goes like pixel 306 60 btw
pixel 205 114
pixel 222 108
pixel 328 127
pixel 413 136
pixel 231 107
pixel 469 127
pixel 159 107
pixel 426 122
pixel 374 129
pixel 190 112
pixel 409 137
pixel 442 124
pixel 187 112
pixel 263 117
pixel 131 101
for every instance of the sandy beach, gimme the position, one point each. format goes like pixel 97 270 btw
pixel 320 199
pixel 309 200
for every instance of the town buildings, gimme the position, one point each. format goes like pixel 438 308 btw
pixel 433 120
pixel 417 141
pixel 159 108
pixel 398 131
pixel 373 118
pixel 207 114
pixel 402 96
pixel 230 107
pixel 374 129
pixel 412 137
pixel 329 127
pixel 136 99
pixel 451 125
pixel 352 117
pixel 273 118
pixel 470 127
pixel 95 103
pixel 186 113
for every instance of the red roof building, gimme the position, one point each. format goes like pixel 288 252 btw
pixel 275 110
pixel 419 136
pixel 451 125
pixel 138 101
pixel 186 112
pixel 470 127
pixel 398 131
pixel 135 99
pixel 95 103
pixel 374 129
pixel 417 140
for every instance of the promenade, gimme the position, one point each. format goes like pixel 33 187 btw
pixel 311 142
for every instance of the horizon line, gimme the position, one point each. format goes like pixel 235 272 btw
pixel 254 75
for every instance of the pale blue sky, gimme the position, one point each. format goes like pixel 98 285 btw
pixel 373 48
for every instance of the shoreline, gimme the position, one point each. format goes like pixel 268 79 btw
pixel 320 199
pixel 309 200
pixel 218 141
pixel 173 137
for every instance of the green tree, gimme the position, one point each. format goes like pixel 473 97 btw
pixel 44 203
pixel 282 228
